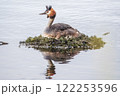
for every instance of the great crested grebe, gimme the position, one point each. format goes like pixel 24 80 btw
pixel 59 29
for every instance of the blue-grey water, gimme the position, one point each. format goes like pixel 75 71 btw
pixel 20 19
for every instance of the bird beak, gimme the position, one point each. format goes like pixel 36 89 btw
pixel 42 13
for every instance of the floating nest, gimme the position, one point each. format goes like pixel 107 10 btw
pixel 83 42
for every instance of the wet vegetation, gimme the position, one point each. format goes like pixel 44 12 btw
pixel 82 42
pixel 106 33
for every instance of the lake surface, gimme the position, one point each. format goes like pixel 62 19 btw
pixel 20 19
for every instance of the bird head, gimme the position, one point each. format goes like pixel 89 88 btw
pixel 50 12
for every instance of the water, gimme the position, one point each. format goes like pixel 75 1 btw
pixel 19 19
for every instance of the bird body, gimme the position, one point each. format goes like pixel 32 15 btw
pixel 59 29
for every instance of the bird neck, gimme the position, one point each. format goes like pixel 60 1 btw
pixel 50 22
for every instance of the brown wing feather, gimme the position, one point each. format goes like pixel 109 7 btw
pixel 60 29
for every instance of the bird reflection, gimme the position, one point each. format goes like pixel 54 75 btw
pixel 50 70
pixel 59 56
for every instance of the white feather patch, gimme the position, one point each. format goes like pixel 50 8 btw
pixel 48 12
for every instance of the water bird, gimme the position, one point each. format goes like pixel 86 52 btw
pixel 59 29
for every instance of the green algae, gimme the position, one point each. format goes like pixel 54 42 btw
pixel 82 42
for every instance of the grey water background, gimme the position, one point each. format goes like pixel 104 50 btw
pixel 20 19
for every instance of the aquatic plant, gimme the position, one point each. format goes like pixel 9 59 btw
pixel 82 42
